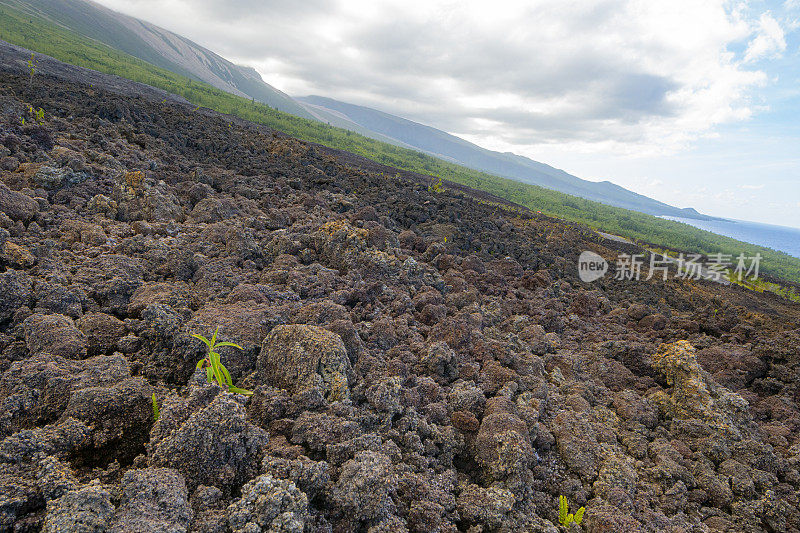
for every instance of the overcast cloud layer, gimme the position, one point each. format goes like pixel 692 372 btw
pixel 608 77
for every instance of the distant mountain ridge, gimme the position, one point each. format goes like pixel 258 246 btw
pixel 175 53
pixel 159 47
pixel 508 165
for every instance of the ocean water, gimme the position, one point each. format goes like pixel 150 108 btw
pixel 781 238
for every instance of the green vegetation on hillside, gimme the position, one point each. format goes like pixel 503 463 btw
pixel 45 37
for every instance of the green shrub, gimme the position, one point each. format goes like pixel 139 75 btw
pixel 32 64
pixel 212 362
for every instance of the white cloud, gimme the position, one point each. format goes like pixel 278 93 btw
pixel 769 41
pixel 752 187
pixel 604 76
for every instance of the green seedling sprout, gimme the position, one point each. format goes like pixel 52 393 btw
pixel 215 370
pixel 565 518
pixel 156 412
pixel 436 187
pixel 32 64
pixel 38 114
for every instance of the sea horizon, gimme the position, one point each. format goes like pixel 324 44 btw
pixel 781 238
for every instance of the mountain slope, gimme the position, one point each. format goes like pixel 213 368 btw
pixel 509 165
pixel 45 37
pixel 177 54
pixel 159 47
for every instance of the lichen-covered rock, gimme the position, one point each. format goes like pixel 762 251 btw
pixel 55 334
pixel 37 390
pixel 269 505
pixel 695 395
pixel 503 444
pixel 166 349
pixel 17 205
pixel 55 478
pixel 120 416
pixel 577 444
pixel 484 507
pixel 16 256
pixel 301 357
pixel 334 318
pixel 441 361
pixel 102 204
pixel 318 431
pixel 175 295
pixel 84 510
pixel 19 493
pixel 309 476
pixel 102 332
pixel 111 280
pixel 15 292
pixel 52 178
pixel 63 439
pixel 617 478
pixel 690 396
pixel 60 299
pixel 384 396
pixel 154 500
pixel 365 487
pixel 212 445
pixel 142 198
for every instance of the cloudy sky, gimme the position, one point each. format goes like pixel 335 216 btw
pixel 695 103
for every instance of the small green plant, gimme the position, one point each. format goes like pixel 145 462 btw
pixel 33 63
pixel 436 187
pixel 565 518
pixel 38 114
pixel 215 370
pixel 156 412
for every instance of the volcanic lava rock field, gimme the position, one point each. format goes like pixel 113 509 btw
pixel 421 361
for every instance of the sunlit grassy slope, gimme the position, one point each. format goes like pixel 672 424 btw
pixel 45 37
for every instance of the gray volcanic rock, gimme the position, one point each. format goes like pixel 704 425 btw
pixel 38 389
pixel 120 416
pixel 55 334
pixel 84 510
pixel 15 292
pixel 17 206
pixel 154 500
pixel 102 332
pixel 269 504
pixel 208 440
pixel 20 493
pixel 365 487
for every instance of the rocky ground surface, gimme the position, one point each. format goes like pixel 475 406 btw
pixel 421 361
